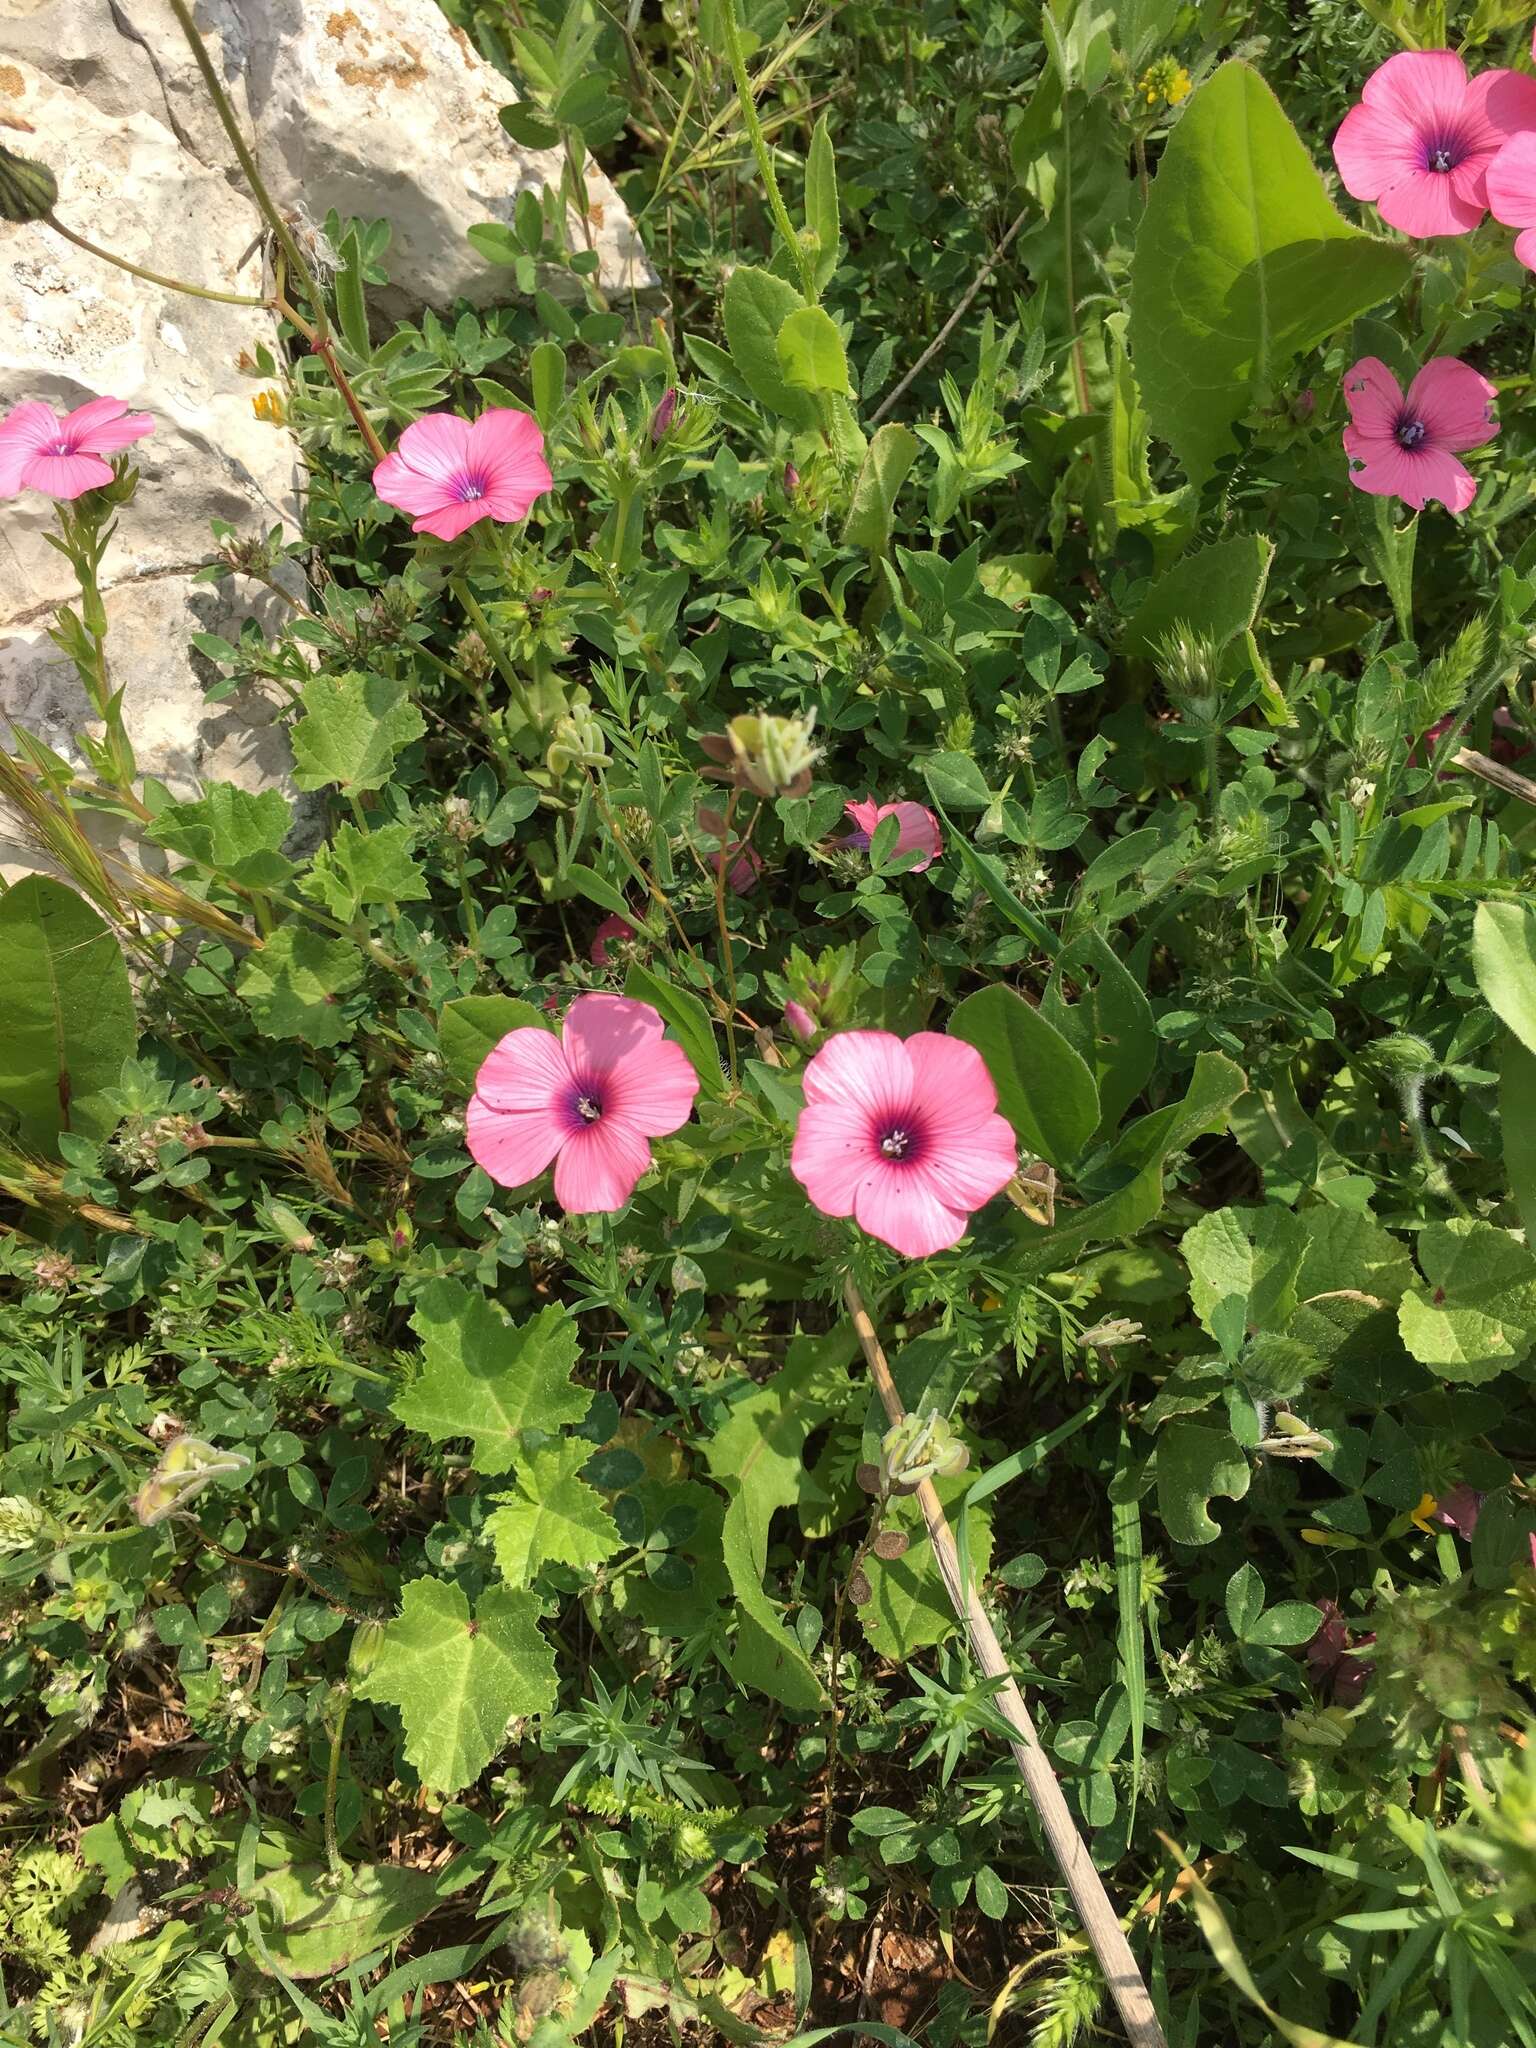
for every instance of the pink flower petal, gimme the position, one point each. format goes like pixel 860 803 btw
pixel 1375 151
pixel 864 815
pixel 651 1089
pixel 601 1030
pixel 65 476
pixel 1512 182
pixel 799 1020
pixel 599 1166
pixel 514 1146
pixel 611 928
pixel 835 1150
pixel 1453 401
pixel 507 447
pixel 917 832
pixel 1525 248
pixel 1414 475
pixel 447 522
pixel 1420 88
pixel 1429 204
pixel 23 433
pixel 1498 105
pixel 864 1070
pixel 903 1212
pixel 437 445
pixel 526 1070
pixel 105 426
pixel 1374 397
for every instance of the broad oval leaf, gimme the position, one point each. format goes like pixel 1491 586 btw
pixel 1242 262
pixel 69 1021
pixel 1043 1086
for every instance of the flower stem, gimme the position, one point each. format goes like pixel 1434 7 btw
pixel 171 284
pixel 459 585
pixel 722 862
pixel 1100 1921
pixel 798 253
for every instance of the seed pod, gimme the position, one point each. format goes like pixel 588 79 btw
pixel 860 1591
pixel 891 1544
pixel 867 1478
pixel 28 190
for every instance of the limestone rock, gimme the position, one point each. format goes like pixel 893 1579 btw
pixel 74 328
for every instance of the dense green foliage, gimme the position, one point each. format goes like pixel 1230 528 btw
pixel 427 1615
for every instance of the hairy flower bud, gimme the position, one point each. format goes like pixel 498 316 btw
pixel 769 754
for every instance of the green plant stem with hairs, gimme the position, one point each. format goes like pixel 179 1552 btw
pixel 798 253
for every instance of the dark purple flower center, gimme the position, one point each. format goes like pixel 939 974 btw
pixel 1409 433
pixel 900 1136
pixel 1443 153
pixel 468 484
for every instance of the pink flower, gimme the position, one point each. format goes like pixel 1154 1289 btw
pixel 61 454
pixel 449 473
pixel 617 928
pixel 917 829
pixel 1406 447
pixel 800 1021
pixel 589 1099
pixel 1512 192
pixel 1423 135
pixel 903 1136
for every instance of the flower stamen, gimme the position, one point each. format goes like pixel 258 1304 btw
pixel 588 1108
pixel 895 1143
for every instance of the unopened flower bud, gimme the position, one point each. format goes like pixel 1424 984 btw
pixel 791 478
pixel 661 419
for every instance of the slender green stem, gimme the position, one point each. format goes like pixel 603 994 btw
pixel 247 161
pixel 171 284
pixel 482 625
pixel 333 1854
pixel 722 864
pixel 799 254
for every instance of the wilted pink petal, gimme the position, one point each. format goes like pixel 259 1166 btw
pixel 1423 136
pixel 611 929
pixel 1459 1509
pixel 902 1136
pixel 449 473
pixel 62 455
pixel 589 1099
pixel 1406 446
pixel 917 829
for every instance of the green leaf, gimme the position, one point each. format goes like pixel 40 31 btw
pixel 1242 262
pixel 1504 957
pixel 313 1927
pixel 755 306
pixel 1346 1250
pixel 293 983
pixel 589 883
pixel 353 727
pixel 1243 1265
pixel 1044 1087
pixel 1195 1463
pixel 237 833
pixel 688 1018
pixel 872 508
pixel 459 1679
pixel 821 209
pixel 1477 1316
pixel 1110 1024
pixel 1517 1122
pixel 554 1517
pixel 359 868
pixel 1245 1601
pixel 546 371
pixel 1284 1626
pixel 69 1021
pixel 954 780
pixel 487 1379
pixel 1214 591
pixel 811 354
pixel 471 1028
pixel 908 1608
pixel 758 1457
pixel 351 300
